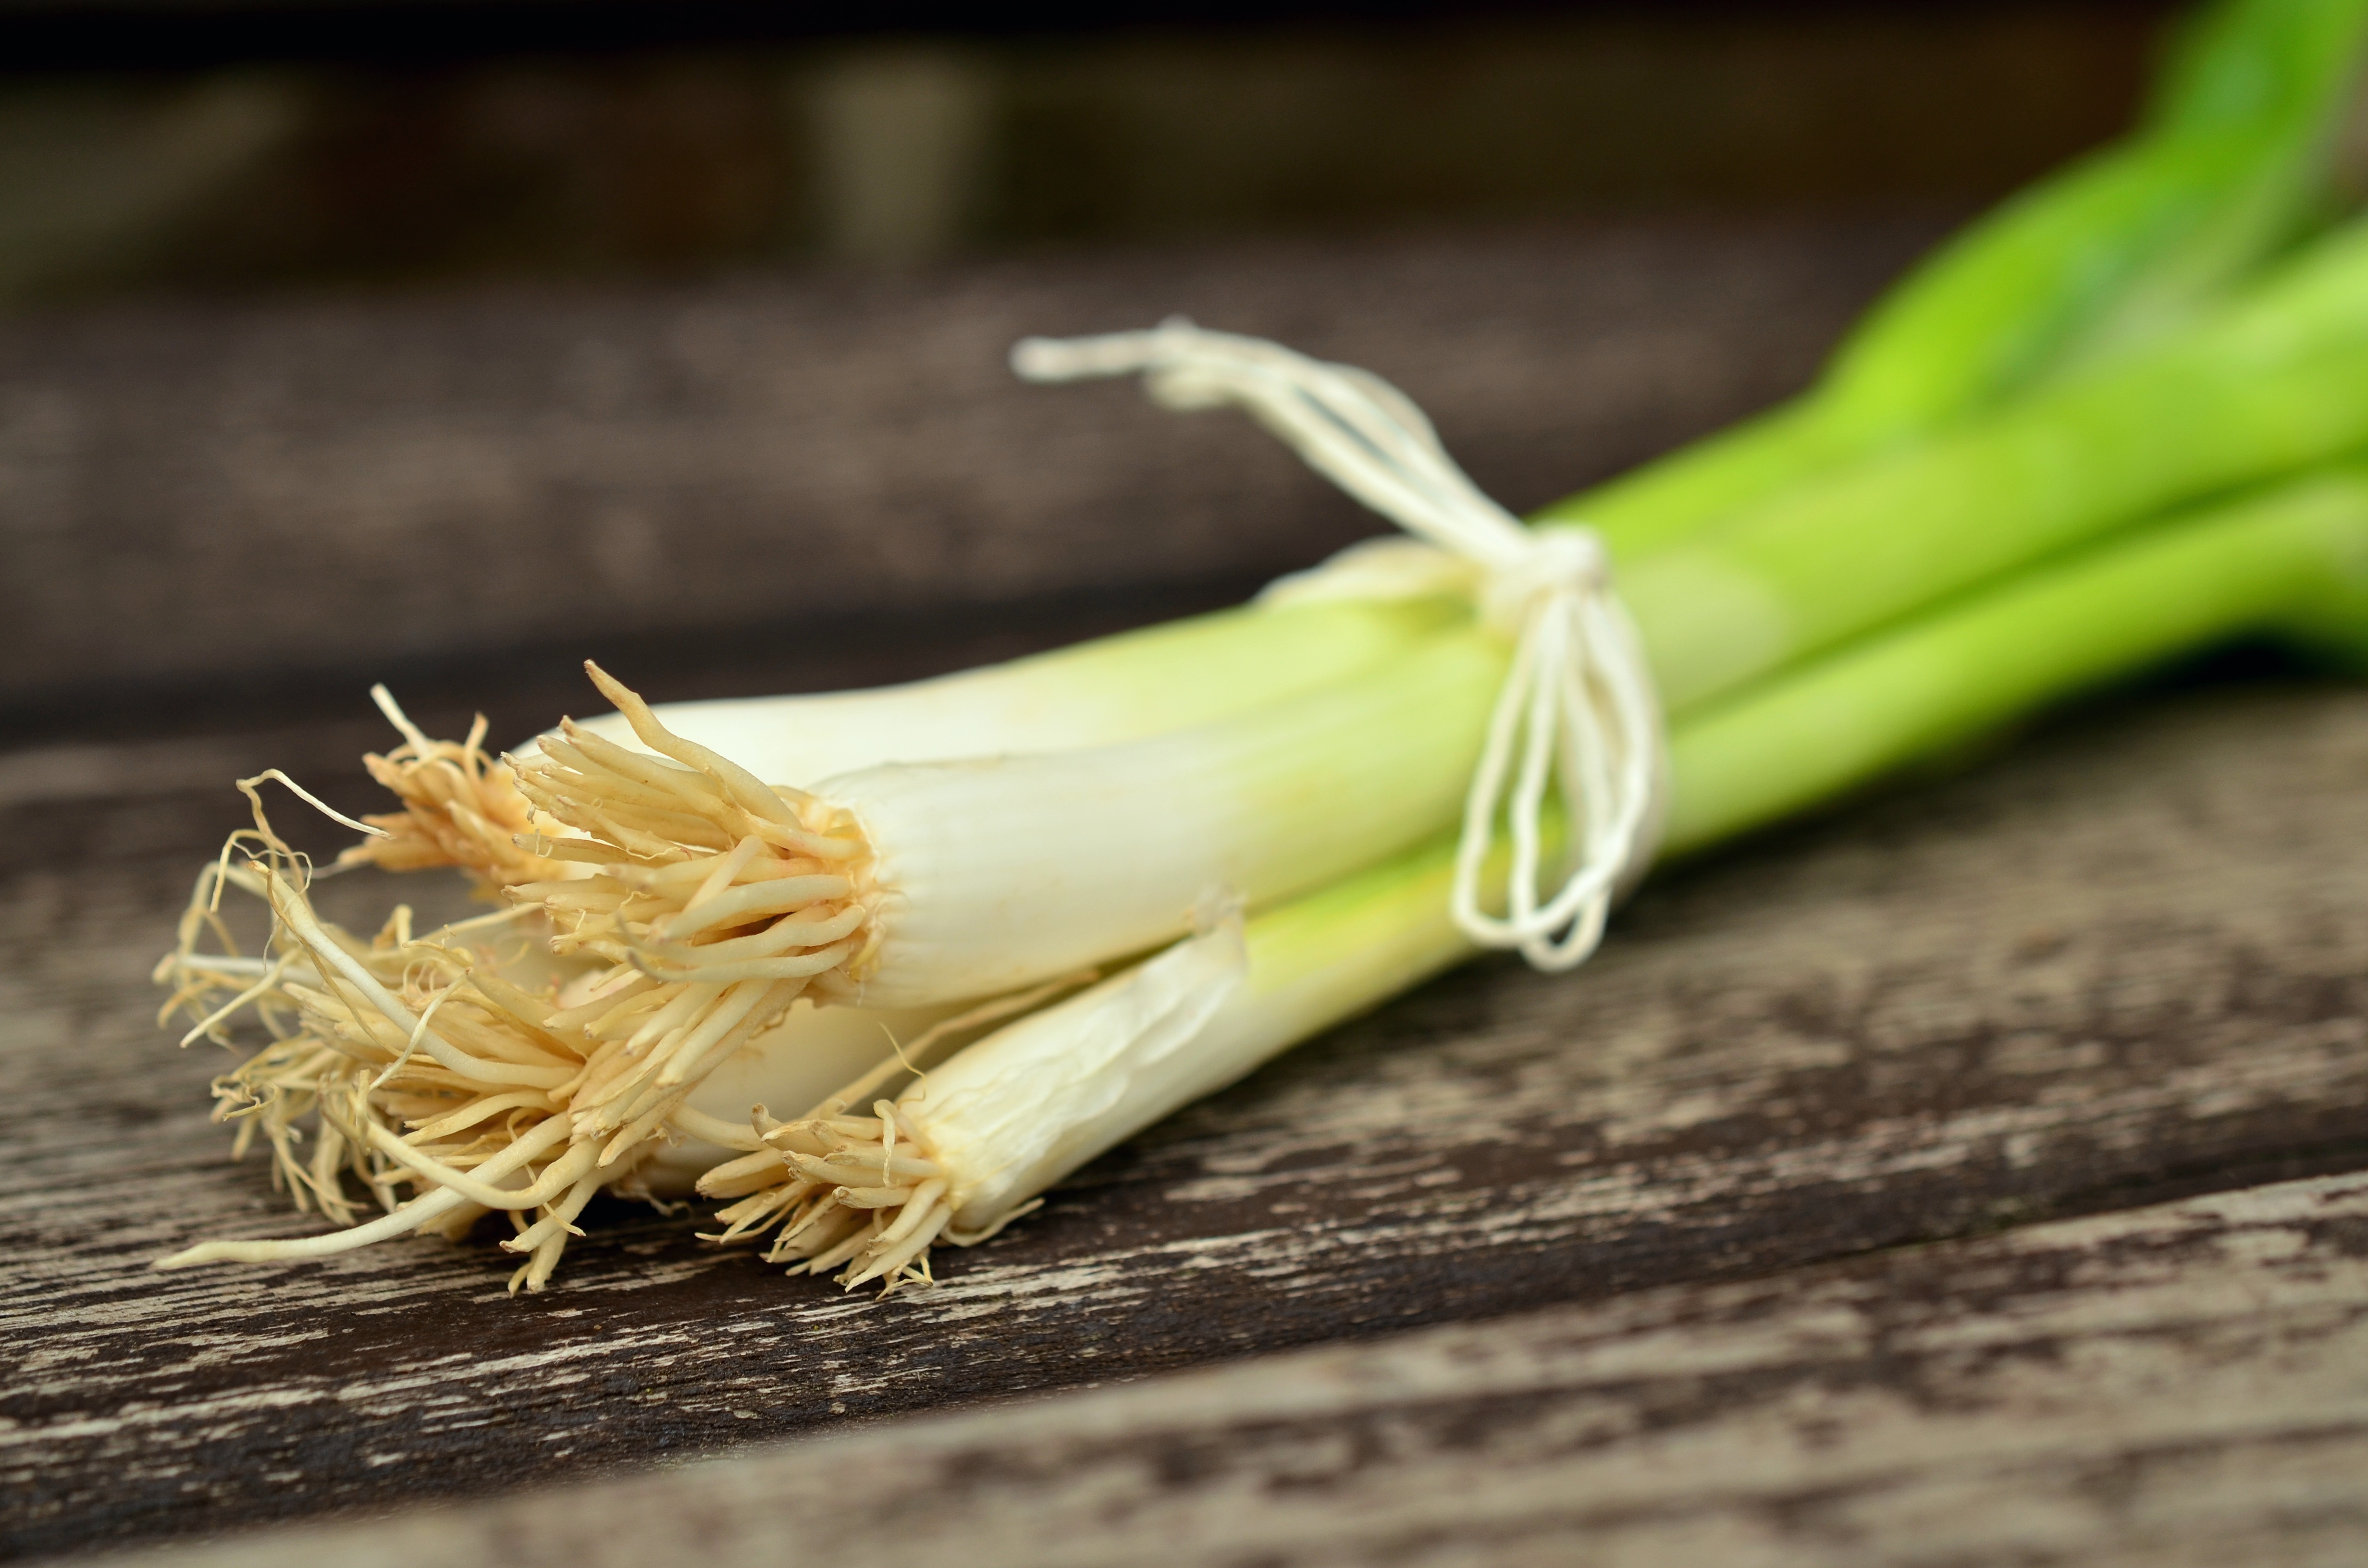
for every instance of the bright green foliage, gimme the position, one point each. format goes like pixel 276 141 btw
pixel 2271 383
pixel 2291 560
pixel 2229 166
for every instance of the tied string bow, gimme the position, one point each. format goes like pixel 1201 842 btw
pixel 1577 717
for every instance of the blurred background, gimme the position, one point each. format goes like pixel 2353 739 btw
pixel 446 343
pixel 226 146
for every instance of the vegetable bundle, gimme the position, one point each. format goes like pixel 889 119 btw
pixel 971 932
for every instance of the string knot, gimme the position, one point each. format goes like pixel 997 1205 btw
pixel 1559 560
pixel 1577 719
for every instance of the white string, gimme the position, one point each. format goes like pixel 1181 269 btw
pixel 1577 717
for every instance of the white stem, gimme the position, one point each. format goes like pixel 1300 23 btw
pixel 1000 874
pixel 1020 1109
pixel 1106 692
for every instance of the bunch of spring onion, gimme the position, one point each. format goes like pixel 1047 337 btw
pixel 972 932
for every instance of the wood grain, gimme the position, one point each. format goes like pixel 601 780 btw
pixel 2183 1384
pixel 230 501
pixel 2121 963
pixel 2117 967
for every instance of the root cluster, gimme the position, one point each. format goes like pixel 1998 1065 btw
pixel 685 904
pixel 862 1194
pixel 408 1064
pixel 461 807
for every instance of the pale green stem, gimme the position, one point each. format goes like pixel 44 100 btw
pixel 2256 565
pixel 2294 561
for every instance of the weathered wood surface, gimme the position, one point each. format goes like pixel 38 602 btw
pixel 2121 963
pixel 218 499
pixel 2183 1384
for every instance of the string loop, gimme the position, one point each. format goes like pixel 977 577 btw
pixel 1576 718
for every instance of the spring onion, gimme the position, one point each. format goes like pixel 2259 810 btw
pixel 461 806
pixel 972 1143
pixel 690 846
pixel 713 899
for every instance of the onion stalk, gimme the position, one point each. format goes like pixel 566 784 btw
pixel 2273 381
pixel 716 900
pixel 967 850
pixel 462 807
pixel 970 1145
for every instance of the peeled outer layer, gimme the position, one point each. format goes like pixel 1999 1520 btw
pixel 993 874
pixel 1104 692
pixel 789 1070
pixel 1003 1117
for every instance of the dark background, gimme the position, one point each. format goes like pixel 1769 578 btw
pixel 296 145
pixel 447 343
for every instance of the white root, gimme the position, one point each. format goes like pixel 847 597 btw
pixel 412 1066
pixel 730 895
pixel 860 1194
pixel 462 808
pixel 694 904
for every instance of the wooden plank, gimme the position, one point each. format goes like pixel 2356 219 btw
pixel 234 502
pixel 2122 964
pixel 2184 1384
